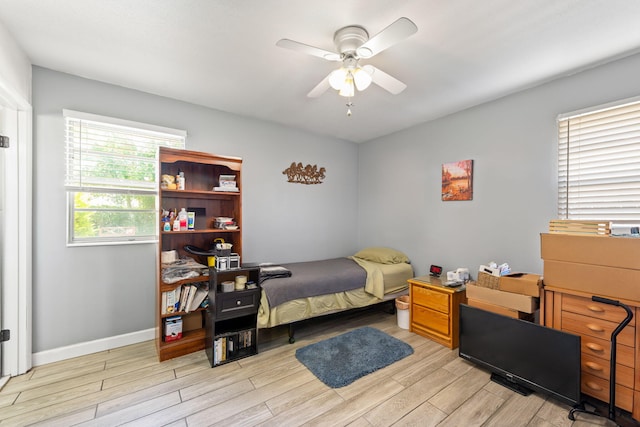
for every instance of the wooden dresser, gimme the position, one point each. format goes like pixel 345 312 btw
pixel 434 310
pixel 577 268
pixel 575 312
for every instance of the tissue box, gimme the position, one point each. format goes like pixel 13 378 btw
pixel 489 270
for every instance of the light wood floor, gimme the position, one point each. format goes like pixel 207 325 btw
pixel 128 386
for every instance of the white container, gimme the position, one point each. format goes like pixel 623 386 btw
pixel 402 308
pixel 183 217
pixel 403 319
pixel 180 180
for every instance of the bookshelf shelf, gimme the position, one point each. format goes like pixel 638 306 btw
pixel 182 313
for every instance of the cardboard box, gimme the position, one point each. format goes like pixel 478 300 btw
pixel 172 328
pixel 597 265
pixel 524 303
pixel 521 283
pixel 612 282
pixel 622 252
pixel 498 309
pixel 487 280
pixel 192 321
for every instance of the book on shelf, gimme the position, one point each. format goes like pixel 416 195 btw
pixel 185 298
pixel 171 301
pixel 200 293
pixel 182 297
pixel 191 292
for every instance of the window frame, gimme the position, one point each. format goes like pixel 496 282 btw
pixel 74 180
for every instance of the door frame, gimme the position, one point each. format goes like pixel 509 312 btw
pixel 17 252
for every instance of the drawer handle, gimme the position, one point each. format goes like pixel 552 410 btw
pixel 594 327
pixel 594 347
pixel 595 308
pixel 593 386
pixel 238 302
pixel 594 366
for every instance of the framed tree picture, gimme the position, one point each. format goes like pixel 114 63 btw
pixel 457 180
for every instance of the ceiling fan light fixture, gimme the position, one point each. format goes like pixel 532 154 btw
pixel 361 78
pixel 347 89
pixel 337 78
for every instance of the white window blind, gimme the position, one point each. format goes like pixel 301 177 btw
pixel 111 177
pixel 599 164
pixel 108 153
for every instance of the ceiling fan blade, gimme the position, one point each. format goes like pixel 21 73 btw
pixel 320 88
pixel 394 33
pixel 309 50
pixel 384 80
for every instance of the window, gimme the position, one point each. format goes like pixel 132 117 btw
pixel 111 178
pixel 599 163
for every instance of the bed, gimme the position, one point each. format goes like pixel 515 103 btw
pixel 298 291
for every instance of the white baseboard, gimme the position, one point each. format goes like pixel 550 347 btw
pixel 3 381
pixel 82 349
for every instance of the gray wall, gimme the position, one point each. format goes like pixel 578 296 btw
pixel 86 293
pixel 513 144
pixel 383 192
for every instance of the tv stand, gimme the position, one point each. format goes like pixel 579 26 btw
pixel 505 382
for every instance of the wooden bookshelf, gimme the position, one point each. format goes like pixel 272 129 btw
pixel 202 172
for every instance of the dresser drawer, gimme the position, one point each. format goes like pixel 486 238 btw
pixel 587 307
pixel 430 319
pixel 432 299
pixel 599 388
pixel 238 303
pixel 602 349
pixel 599 328
pixel 601 368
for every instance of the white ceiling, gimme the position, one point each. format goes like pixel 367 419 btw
pixel 222 54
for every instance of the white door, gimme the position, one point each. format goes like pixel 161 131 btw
pixel 2 214
pixel 15 240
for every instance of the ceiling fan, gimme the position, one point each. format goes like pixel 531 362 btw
pixel 353 44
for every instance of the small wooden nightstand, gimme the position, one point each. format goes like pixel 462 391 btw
pixel 435 309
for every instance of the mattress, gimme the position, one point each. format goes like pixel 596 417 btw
pixel 393 278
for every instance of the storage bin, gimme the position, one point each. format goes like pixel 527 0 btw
pixel 402 308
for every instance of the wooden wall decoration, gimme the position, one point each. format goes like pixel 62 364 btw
pixel 299 174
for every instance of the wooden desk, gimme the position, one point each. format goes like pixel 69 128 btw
pixel 434 310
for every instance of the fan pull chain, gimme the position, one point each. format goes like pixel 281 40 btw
pixel 349 105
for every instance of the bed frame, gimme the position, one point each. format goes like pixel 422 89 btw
pixel 388 299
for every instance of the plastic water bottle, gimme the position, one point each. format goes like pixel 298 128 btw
pixel 183 217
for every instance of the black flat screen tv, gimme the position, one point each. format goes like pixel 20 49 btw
pixel 521 355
